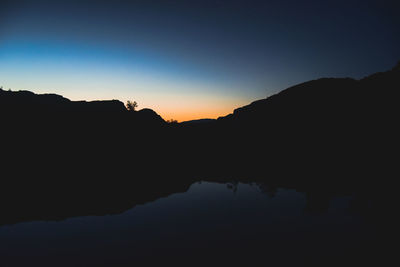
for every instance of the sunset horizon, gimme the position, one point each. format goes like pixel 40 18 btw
pixel 187 61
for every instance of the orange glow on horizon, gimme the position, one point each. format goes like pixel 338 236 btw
pixel 193 115
pixel 194 109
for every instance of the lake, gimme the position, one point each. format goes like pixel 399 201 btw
pixel 234 224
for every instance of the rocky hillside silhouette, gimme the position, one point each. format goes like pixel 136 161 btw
pixel 322 131
pixel 25 102
pixel 325 101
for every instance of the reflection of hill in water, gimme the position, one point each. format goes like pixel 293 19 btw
pixel 226 223
pixel 28 205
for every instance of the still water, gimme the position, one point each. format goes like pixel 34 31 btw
pixel 211 224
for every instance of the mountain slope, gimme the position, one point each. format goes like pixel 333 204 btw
pixel 324 101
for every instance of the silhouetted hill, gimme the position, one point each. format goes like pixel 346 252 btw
pixel 48 134
pixel 324 101
pixel 25 103
pixel 347 122
pixel 306 98
pixel 330 125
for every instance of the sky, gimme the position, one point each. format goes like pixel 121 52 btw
pixel 190 59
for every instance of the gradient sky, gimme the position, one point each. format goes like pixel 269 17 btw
pixel 190 59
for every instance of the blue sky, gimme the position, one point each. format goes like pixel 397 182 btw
pixel 190 60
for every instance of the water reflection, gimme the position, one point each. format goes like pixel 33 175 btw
pixel 211 223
